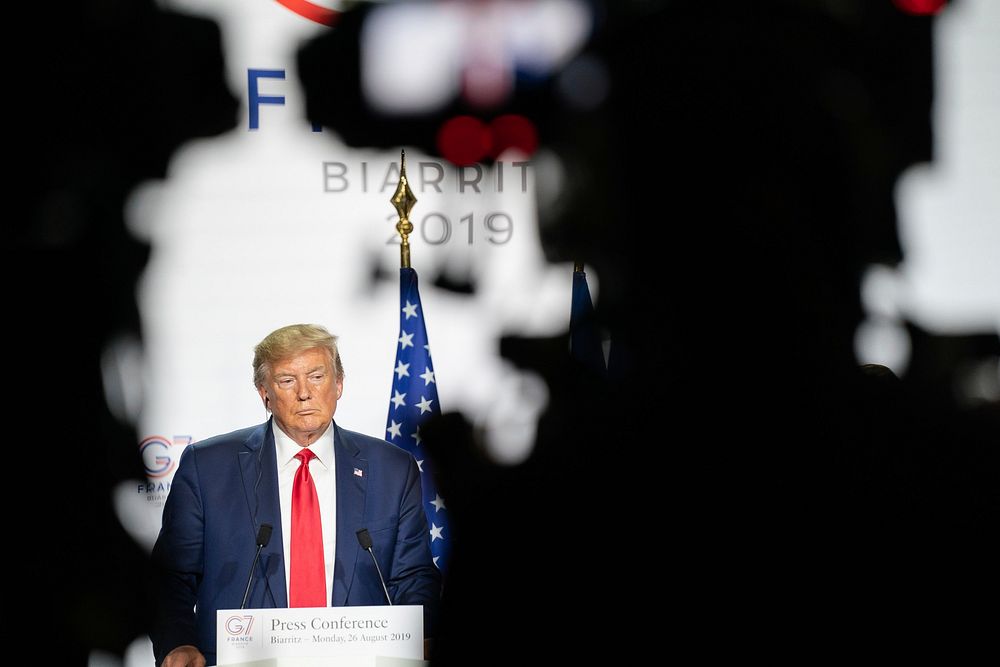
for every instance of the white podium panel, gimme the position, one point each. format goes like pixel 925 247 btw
pixel 355 636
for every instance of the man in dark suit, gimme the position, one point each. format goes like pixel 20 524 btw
pixel 226 487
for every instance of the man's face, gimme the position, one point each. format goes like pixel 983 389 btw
pixel 301 392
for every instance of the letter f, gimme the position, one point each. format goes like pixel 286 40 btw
pixel 255 99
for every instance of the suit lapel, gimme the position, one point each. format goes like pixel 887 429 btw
pixel 352 481
pixel 260 484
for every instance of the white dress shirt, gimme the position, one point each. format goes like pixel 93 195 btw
pixel 323 473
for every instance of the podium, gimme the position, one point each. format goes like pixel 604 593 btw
pixel 378 636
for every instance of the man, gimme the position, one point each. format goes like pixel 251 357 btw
pixel 317 484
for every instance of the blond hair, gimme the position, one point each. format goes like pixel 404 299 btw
pixel 290 341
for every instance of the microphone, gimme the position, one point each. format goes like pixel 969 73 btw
pixel 263 537
pixel 365 540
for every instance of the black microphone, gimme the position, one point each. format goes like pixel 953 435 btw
pixel 365 540
pixel 263 537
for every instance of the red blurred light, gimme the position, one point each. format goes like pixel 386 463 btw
pixel 463 140
pixel 513 131
pixel 920 7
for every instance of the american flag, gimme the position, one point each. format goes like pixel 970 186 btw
pixel 413 401
pixel 584 337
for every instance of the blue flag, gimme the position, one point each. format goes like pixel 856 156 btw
pixel 584 338
pixel 413 401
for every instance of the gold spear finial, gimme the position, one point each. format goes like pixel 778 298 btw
pixel 403 200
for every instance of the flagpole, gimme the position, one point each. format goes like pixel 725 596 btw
pixel 403 200
pixel 414 394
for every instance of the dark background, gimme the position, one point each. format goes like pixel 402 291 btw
pixel 735 474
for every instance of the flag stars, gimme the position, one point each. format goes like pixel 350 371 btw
pixel 398 399
pixel 438 503
pixel 436 532
pixel 404 407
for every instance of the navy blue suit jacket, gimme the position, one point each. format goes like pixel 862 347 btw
pixel 227 486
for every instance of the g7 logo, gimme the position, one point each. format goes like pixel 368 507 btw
pixel 239 625
pixel 154 452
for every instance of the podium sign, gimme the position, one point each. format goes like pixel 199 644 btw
pixel 353 635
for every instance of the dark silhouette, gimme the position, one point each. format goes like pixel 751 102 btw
pixel 105 93
pixel 737 469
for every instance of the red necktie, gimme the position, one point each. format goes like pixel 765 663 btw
pixel 308 571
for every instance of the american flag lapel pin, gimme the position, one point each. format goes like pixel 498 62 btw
pixel 358 472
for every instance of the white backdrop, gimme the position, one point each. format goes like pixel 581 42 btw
pixel 261 228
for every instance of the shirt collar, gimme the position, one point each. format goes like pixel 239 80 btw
pixel 286 448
